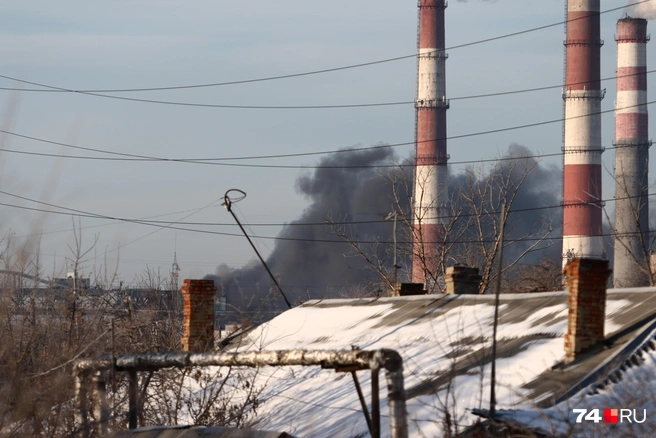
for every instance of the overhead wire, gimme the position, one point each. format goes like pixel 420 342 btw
pixel 162 225
pixel 364 166
pixel 117 220
pixel 218 161
pixel 161 228
pixel 334 241
pixel 546 87
pixel 68 230
pixel 81 213
pixel 334 106
pixel 142 157
pixel 130 260
pixel 201 161
pixel 285 224
pixel 312 72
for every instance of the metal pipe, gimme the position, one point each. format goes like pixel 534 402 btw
pixel 81 409
pixel 375 403
pixel 363 359
pixel 396 401
pixel 132 399
pixel 102 408
pixel 363 402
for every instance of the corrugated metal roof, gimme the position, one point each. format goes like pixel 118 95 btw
pixel 629 386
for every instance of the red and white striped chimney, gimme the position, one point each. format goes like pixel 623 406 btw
pixel 430 195
pixel 631 155
pixel 582 229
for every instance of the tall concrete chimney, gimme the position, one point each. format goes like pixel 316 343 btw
pixel 582 229
pixel 631 155
pixel 430 195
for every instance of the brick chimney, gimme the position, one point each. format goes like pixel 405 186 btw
pixel 586 281
pixel 198 314
pixel 462 280
pixel 408 289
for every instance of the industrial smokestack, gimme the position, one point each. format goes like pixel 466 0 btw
pixel 430 186
pixel 631 155
pixel 582 227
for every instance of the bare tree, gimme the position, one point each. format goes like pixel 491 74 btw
pixel 45 329
pixel 369 252
pixel 485 193
pixel 220 396
pixel 470 225
pixel 543 276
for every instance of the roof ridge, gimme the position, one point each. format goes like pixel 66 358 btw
pixel 636 358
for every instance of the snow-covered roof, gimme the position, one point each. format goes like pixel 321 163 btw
pixel 194 432
pixel 629 386
pixel 445 342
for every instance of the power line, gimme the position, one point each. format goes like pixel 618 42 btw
pixel 336 106
pixel 312 72
pixel 338 241
pixel 216 161
pixel 136 261
pixel 227 106
pixel 169 225
pixel 68 230
pixel 547 87
pixel 270 224
pixel 372 166
pixel 192 161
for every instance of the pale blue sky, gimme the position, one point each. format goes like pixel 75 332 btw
pixel 139 43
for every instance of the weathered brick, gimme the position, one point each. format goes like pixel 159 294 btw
pixel 198 314
pixel 586 281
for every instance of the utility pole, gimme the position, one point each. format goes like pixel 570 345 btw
pixel 393 215
pixel 493 400
pixel 227 203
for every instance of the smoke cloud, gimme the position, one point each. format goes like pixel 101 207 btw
pixel 646 10
pixel 316 263
pixel 310 269
pixel 529 220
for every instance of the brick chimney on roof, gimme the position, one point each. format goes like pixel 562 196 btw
pixel 462 280
pixel 586 282
pixel 198 314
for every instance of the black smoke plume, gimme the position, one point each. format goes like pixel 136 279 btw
pixel 314 262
